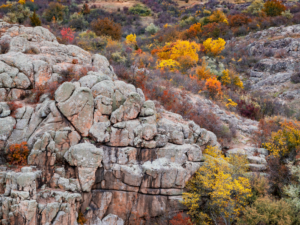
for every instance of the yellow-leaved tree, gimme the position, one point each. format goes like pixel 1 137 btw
pixel 219 191
pixel 214 47
pixel 285 140
pixel 185 53
pixel 218 17
pixel 131 39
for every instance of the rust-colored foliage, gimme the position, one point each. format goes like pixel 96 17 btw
pixel 213 86
pixel 17 154
pixel 214 30
pixel 48 88
pixel 238 20
pixel 180 219
pixel 273 8
pixel 107 27
pixel 75 61
pixel 194 30
pixel 85 9
pixel 81 219
pixel 13 106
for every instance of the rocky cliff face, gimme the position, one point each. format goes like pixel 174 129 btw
pixel 97 146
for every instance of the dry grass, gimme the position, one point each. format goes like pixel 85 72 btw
pixel 112 6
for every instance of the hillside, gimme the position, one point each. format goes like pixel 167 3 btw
pixel 149 112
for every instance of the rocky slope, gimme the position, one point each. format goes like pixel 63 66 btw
pixel 98 146
pixel 277 49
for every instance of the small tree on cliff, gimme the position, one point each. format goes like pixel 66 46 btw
pixel 218 191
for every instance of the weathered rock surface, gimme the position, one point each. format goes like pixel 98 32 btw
pixel 95 145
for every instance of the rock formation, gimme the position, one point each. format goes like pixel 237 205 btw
pixel 96 144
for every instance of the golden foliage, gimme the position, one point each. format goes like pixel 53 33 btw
pixel 284 140
pixel 214 47
pixel 218 16
pixel 225 78
pixel 169 64
pixel 218 189
pixel 184 53
pixel 202 72
pixel 231 103
pixel 131 39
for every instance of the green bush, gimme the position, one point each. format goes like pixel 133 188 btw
pixel 55 10
pixel 152 29
pixel 141 10
pixel 268 211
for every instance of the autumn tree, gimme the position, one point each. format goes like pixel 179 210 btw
pixel 273 7
pixel 194 30
pixel 67 34
pixel 202 72
pixel 214 47
pixel 219 190
pixel 183 53
pixel 107 27
pixel 284 141
pixel 218 16
pixel 131 39
pixel 213 86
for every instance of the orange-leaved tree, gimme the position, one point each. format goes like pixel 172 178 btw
pixel 213 86
pixel 17 154
pixel 194 30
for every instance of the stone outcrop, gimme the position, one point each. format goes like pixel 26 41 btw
pixel 276 51
pixel 96 145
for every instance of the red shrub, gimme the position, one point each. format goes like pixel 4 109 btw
pixel 67 34
pixel 180 219
pixel 17 154
pixel 247 109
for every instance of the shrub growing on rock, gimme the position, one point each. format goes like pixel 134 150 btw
pixel 17 154
pixel 107 27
